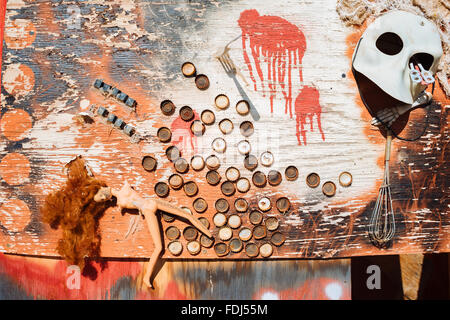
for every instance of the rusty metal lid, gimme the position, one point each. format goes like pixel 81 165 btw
pixel 345 179
pixel 186 113
pixel 176 181
pixel 274 177
pixel 225 233
pixel 193 247
pixel 213 177
pixel 164 134
pixel 190 188
pixel 277 238
pixel 244 147
pixel 200 205
pixel 222 205
pixel 313 180
pixel 149 163
pixel 251 250
pixel 246 128
pixel 241 205
pixel 255 217
pixel 172 153
pixel 259 179
pixel 266 250
pixel 190 233
pixel 188 69
pixel 221 249
pixel 206 242
pixel 167 107
pixel 232 174
pixel 272 223
pixel 219 219
pixel 236 245
pixel 202 82
pixel 243 185
pixel 219 145
pixel 208 117
pixel 291 173
pixel 222 102
pixel 259 232
pixel 226 126
pixel 245 234
pixel 197 163
pixel 175 247
pixel 329 189
pixel 197 128
pixel 172 233
pixel 167 217
pixel 242 107
pixel 264 204
pixel 227 188
pixel 266 158
pixel 181 165
pixel 212 162
pixel 250 162
pixel 204 222
pixel 162 189
pixel 234 221
pixel 283 204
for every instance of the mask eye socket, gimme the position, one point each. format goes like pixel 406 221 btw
pixel 389 43
pixel 425 59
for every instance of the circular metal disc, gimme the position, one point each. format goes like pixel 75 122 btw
pixel 222 101
pixel 193 247
pixel 259 232
pixel 232 174
pixel 255 217
pixel 167 107
pixel 219 219
pixel 221 249
pixel 241 205
pixel 243 185
pixel 266 250
pixel 242 107
pixel 208 117
pixel 173 153
pixel 222 205
pixel 329 189
pixel 162 189
pixel 190 188
pixel 228 188
pixel 345 179
pixel 149 163
pixel 200 205
pixel 246 128
pixel 164 134
pixel 291 173
pixel 244 147
pixel 219 145
pixel 225 233
pixel 313 180
pixel 202 82
pixel 212 162
pixel 250 162
pixel 190 233
pixel 236 245
pixel 188 69
pixel 213 177
pixel 181 165
pixel 259 179
pixel 274 177
pixel 226 126
pixel 251 250
pixel 206 242
pixel 283 204
pixel 197 163
pixel 266 158
pixel 197 128
pixel 264 204
pixel 176 181
pixel 272 223
pixel 186 113
pixel 245 234
pixel 175 247
pixel 234 221
pixel 172 233
pixel 277 238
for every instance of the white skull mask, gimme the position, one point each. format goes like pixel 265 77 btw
pixel 390 46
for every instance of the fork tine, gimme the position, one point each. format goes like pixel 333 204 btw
pixel 223 64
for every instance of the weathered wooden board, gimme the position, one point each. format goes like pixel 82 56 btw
pixel 55 50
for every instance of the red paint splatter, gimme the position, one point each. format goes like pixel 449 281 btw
pixel 307 106
pixel 182 136
pixel 278 42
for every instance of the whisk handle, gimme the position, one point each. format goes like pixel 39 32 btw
pixel 387 152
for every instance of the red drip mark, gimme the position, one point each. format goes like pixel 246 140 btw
pixel 272 40
pixel 182 136
pixel 307 106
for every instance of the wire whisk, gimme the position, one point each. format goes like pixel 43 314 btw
pixel 382 221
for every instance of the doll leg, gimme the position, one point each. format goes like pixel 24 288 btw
pixel 153 226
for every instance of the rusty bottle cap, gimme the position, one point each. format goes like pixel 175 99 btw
pixel 241 205
pixel 204 222
pixel 190 188
pixel 167 217
pixel 291 173
pixel 345 179
pixel 176 181
pixel 243 185
pixel 172 233
pixel 208 117
pixel 190 233
pixel 244 147
pixel 172 153
pixel 234 221
pixel 162 189
pixel 313 180
pixel 272 223
pixel 226 126
pixel 175 247
pixel 221 249
pixel 259 232
pixel 250 162
pixel 246 128
pixel 274 177
pixel 227 188
pixel 219 219
pixel 225 233
pixel 222 102
pixel 188 69
pixel 222 205
pixel 181 165
pixel 232 174
pixel 283 204
pixel 186 113
pixel 167 107
pixel 193 247
pixel 255 217
pixel 236 245
pixel 266 158
pixel 245 234
pixel 197 163
pixel 266 250
pixel 164 134
pixel 213 177
pixel 149 163
pixel 206 242
pixel 212 162
pixel 277 238
pixel 219 145
pixel 202 82
pixel 329 189
pixel 242 107
pixel 259 179
pixel 251 250
pixel 197 128
pixel 200 205
pixel 264 204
